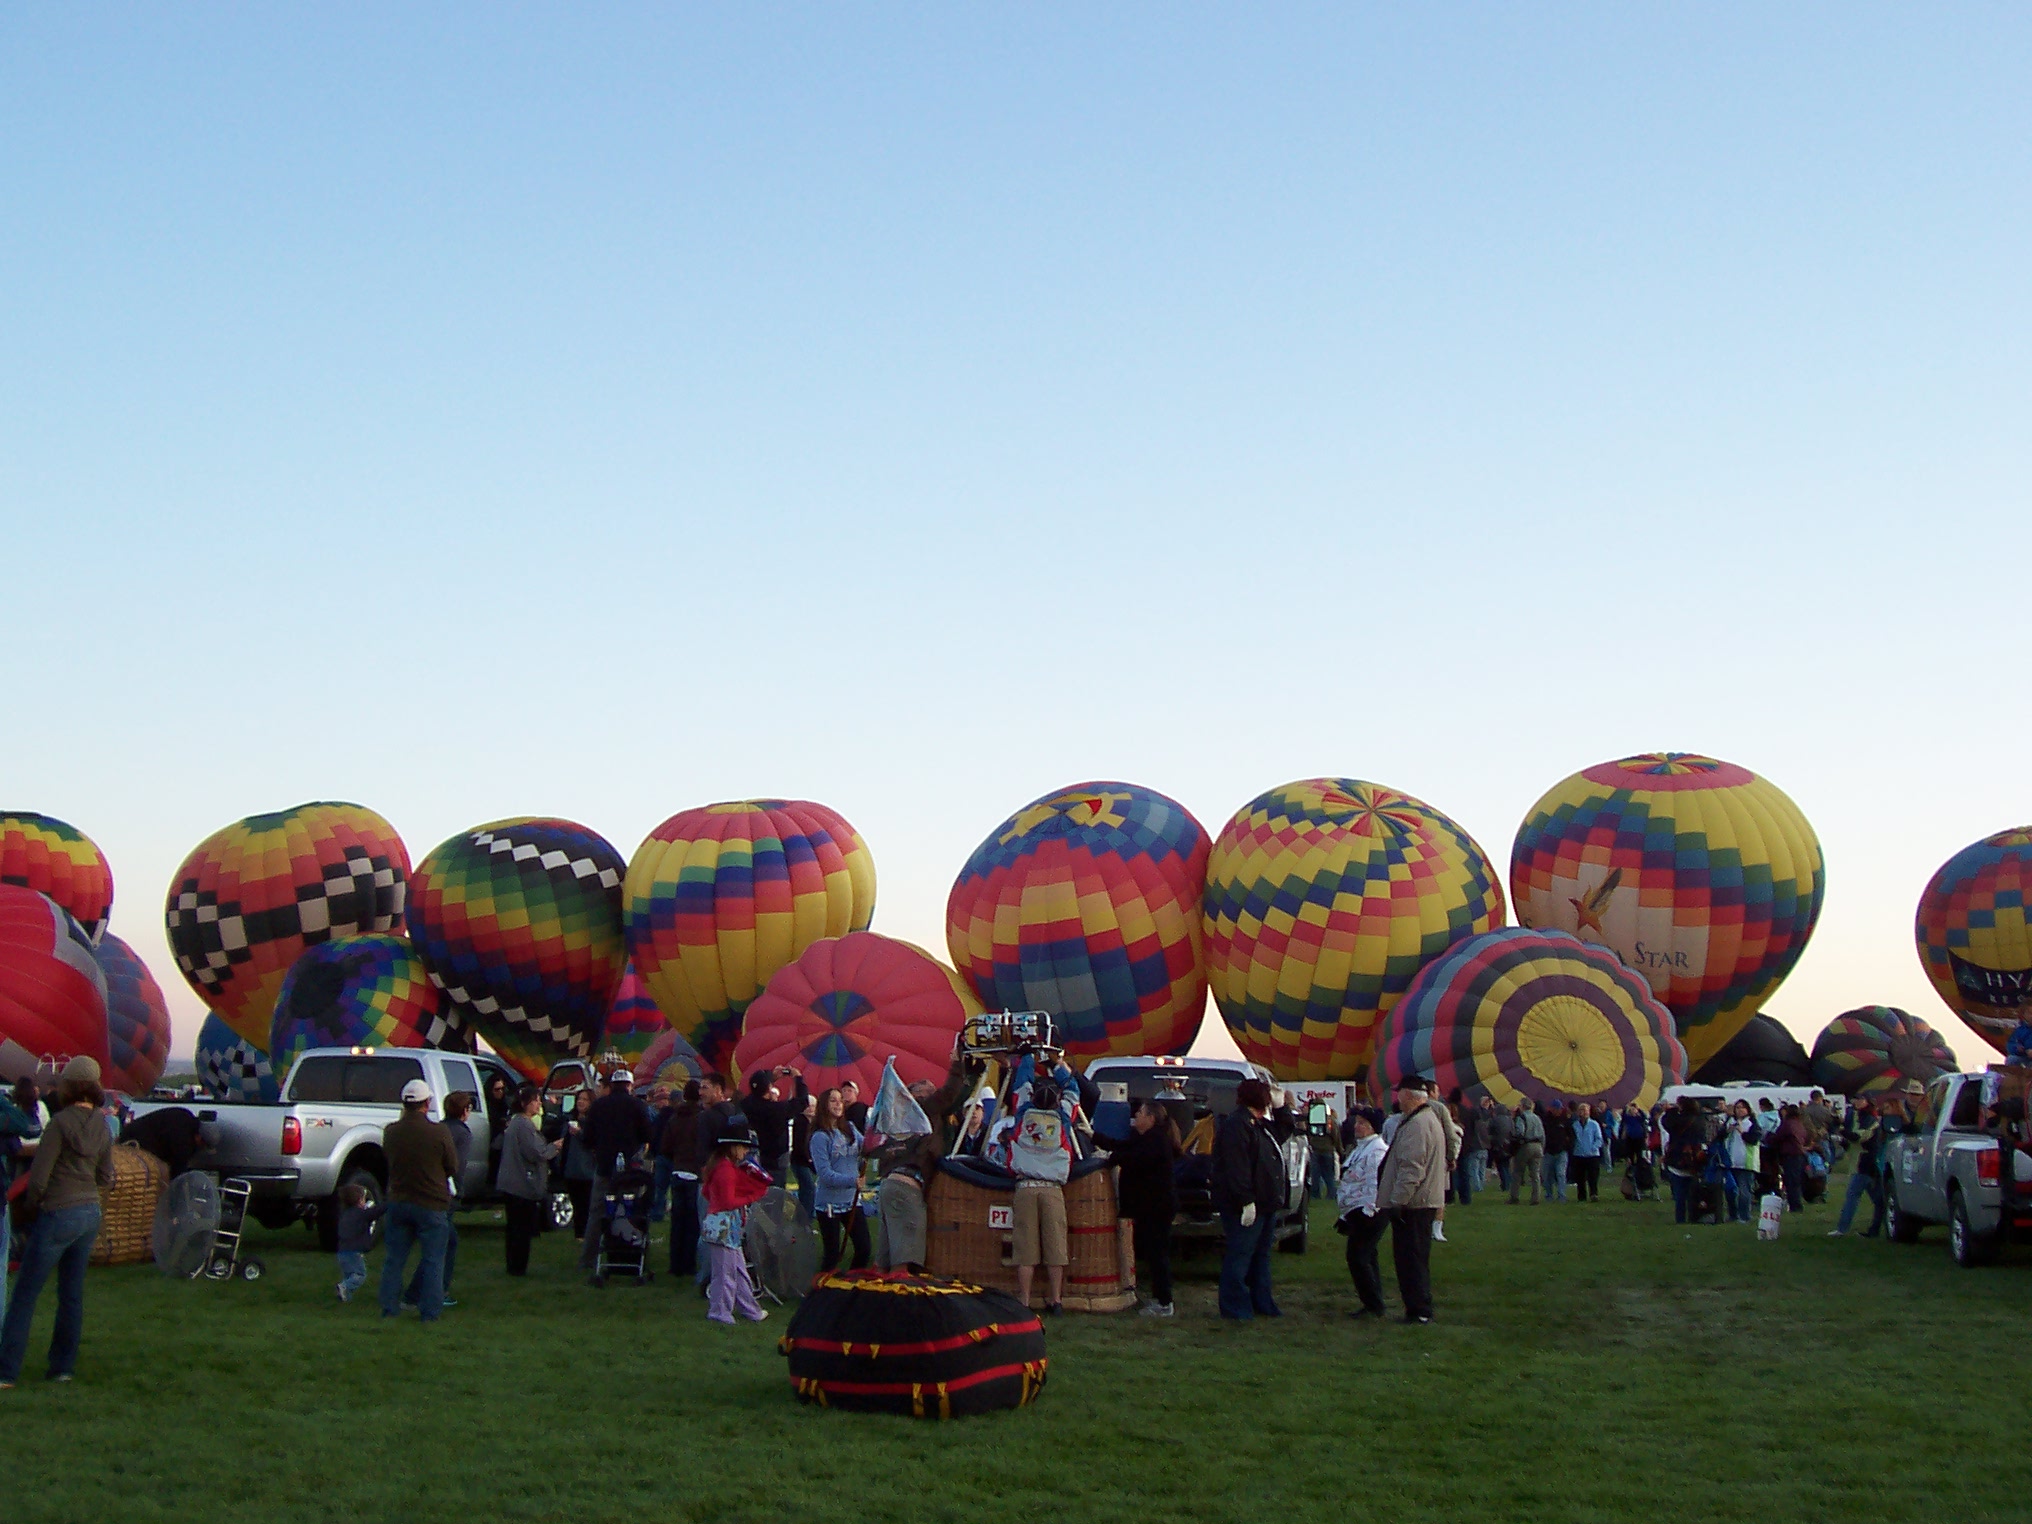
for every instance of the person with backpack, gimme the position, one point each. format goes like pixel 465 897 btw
pixel 1686 1138
pixel 1361 1219
pixel 1502 1131
pixel 1528 1150
pixel 1147 1195
pixel 1035 1144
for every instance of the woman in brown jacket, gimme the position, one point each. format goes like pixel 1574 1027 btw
pixel 73 1160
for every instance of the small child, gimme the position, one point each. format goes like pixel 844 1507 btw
pixel 732 1183
pixel 356 1237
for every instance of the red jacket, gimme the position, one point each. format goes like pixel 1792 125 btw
pixel 729 1186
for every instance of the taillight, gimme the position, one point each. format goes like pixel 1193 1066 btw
pixel 1989 1166
pixel 292 1136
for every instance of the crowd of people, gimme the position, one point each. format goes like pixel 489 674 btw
pixel 707 1156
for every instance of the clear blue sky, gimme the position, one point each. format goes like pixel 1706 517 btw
pixel 502 410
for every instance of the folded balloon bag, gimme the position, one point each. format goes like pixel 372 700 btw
pixel 1769 1214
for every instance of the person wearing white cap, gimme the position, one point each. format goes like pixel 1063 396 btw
pixel 423 1161
pixel 72 1163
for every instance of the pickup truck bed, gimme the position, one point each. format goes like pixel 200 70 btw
pixel 1961 1168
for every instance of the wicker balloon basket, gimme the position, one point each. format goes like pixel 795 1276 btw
pixel 127 1207
pixel 969 1237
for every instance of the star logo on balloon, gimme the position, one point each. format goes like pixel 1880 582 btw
pixel 1587 910
pixel 1086 809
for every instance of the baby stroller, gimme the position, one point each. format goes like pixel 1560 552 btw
pixel 623 1226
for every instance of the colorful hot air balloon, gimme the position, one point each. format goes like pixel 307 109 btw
pixel 1086 903
pixel 137 1020
pixel 720 898
pixel 251 898
pixel 52 990
pixel 1518 1012
pixel 1323 899
pixel 634 1021
pixel 669 1058
pixel 368 992
pixel 1974 938
pixel 850 1004
pixel 231 1067
pixel 1699 874
pixel 62 862
pixel 519 923
pixel 1878 1048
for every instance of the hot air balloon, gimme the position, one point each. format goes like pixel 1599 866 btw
pixel 519 923
pixel 137 1020
pixel 367 992
pixel 1974 939
pixel 850 1004
pixel 52 990
pixel 669 1058
pixel 634 1021
pixel 1518 1012
pixel 720 898
pixel 62 862
pixel 252 897
pixel 1878 1048
pixel 1699 874
pixel 1324 898
pixel 231 1067
pixel 1086 903
pixel 1763 1052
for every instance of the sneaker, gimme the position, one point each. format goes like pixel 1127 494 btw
pixel 1439 1232
pixel 450 1302
pixel 1053 1309
pixel 1157 1309
pixel 60 1380
pixel 345 1292
pixel 6 1386
pixel 1837 1232
pixel 1423 1317
pixel 760 1315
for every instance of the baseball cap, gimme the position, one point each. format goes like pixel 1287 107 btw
pixel 414 1091
pixel 621 1077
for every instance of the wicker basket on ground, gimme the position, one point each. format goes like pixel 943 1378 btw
pixel 127 1207
pixel 969 1238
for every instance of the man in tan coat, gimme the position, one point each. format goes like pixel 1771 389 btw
pixel 1411 1188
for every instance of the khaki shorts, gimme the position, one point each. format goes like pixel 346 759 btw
pixel 1039 1223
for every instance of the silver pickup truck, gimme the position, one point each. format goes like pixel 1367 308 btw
pixel 325 1132
pixel 1951 1169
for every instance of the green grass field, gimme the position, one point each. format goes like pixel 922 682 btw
pixel 1589 1363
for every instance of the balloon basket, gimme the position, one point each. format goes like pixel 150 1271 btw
pixel 968 1237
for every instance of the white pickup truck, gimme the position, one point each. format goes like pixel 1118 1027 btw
pixel 1952 1167
pixel 325 1132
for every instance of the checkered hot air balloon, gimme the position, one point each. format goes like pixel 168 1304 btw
pixel 1700 875
pixel 231 1067
pixel 1877 1048
pixel 519 923
pixel 634 1021
pixel 252 897
pixel 368 992
pixel 720 898
pixel 52 990
pixel 850 1004
pixel 62 862
pixel 1517 1012
pixel 1974 939
pixel 137 1020
pixel 1324 899
pixel 669 1058
pixel 1086 903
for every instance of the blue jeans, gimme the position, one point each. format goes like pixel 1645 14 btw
pixel 352 1270
pixel 1245 1266
pixel 807 1188
pixel 414 1295
pixel 1555 1177
pixel 1746 1192
pixel 1684 1199
pixel 659 1191
pixel 1862 1183
pixel 60 1241
pixel 405 1225
pixel 1476 1162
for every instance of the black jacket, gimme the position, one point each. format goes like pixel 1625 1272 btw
pixel 1146 1192
pixel 706 1129
pixel 771 1121
pixel 615 1124
pixel 1247 1165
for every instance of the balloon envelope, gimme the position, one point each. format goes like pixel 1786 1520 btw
pixel 252 897
pixel 1700 875
pixel 231 1067
pixel 137 1020
pixel 1086 903
pixel 1517 1012
pixel 41 853
pixel 669 1058
pixel 52 989
pixel 1763 1052
pixel 1974 939
pixel 1324 898
pixel 634 1023
pixel 1878 1048
pixel 519 923
pixel 852 1003
pixel 719 898
pixel 367 992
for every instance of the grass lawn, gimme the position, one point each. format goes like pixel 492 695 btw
pixel 1589 1363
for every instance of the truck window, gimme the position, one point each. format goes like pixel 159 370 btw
pixel 342 1077
pixel 1968 1107
pixel 460 1075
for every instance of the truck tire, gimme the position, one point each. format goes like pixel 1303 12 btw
pixel 328 1209
pixel 1900 1227
pixel 1969 1248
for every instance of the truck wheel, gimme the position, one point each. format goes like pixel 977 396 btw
pixel 1900 1226
pixel 328 1209
pixel 1969 1248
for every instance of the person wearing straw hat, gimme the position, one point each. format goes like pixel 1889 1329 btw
pixel 73 1162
